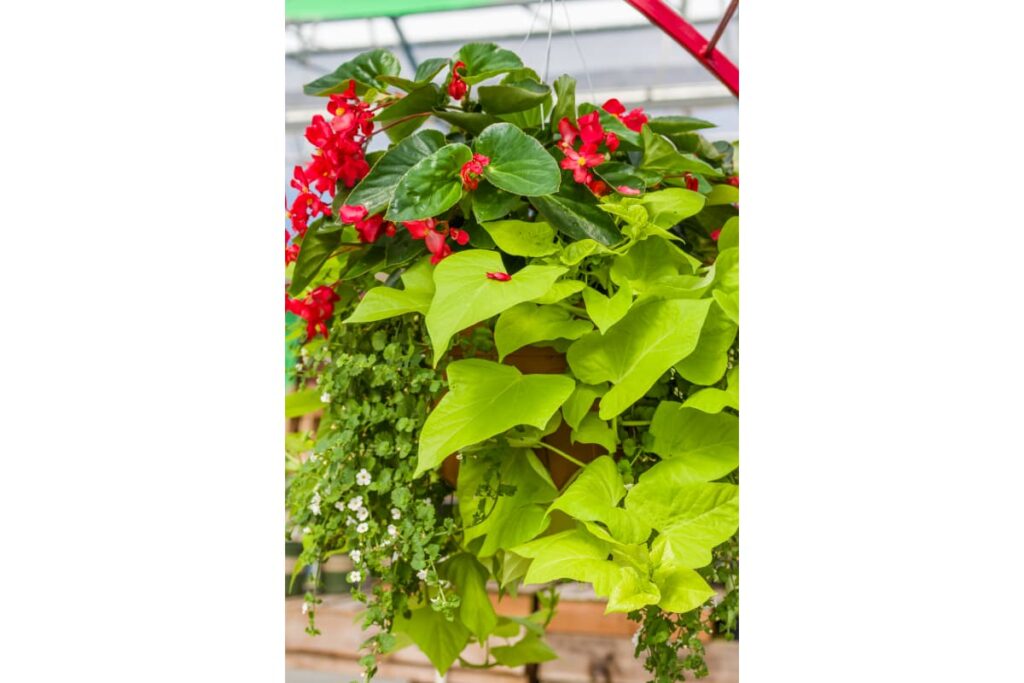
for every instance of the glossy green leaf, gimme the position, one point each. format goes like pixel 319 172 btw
pixel 486 399
pixel 574 554
pixel 486 60
pixel 712 400
pixel 559 291
pixel 299 403
pixel 472 122
pixel 509 519
pixel 606 311
pixel 618 175
pixel 364 69
pixel 671 125
pixel 431 186
pixel 420 101
pixel 594 430
pixel 708 444
pixel 429 68
pixel 681 589
pixel 565 100
pixel 723 194
pixel 475 608
pixel 316 247
pixel 522 238
pixel 387 302
pixel 518 163
pixel 376 189
pixel 581 402
pixel 508 98
pixel 465 295
pixel 638 349
pixel 490 203
pixel 710 359
pixel 528 323
pixel 691 519
pixel 439 639
pixel 661 156
pixel 574 212
pixel 531 649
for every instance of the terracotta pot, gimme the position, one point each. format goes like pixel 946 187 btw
pixel 539 360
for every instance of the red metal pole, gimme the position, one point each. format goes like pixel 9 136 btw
pixel 680 30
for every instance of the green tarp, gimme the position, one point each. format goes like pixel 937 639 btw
pixel 322 10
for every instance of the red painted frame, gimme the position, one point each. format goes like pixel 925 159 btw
pixel 680 30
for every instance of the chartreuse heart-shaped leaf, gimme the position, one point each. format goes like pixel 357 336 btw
pixel 681 589
pixel 465 295
pixel 522 238
pixel 574 554
pixel 606 311
pixel 439 639
pixel 574 212
pixel 631 592
pixel 667 207
pixel 431 186
pixel 363 69
pixel 638 349
pixel 706 444
pixel 506 520
pixel 710 359
pixel 376 189
pixel 730 235
pixel 594 430
pixel 651 261
pixel 485 60
pixel 518 163
pixel 730 303
pixel 486 399
pixel 475 609
pixel 594 497
pixel 712 400
pixel 531 649
pixel 420 101
pixel 580 403
pixel 660 156
pixel 302 402
pixel 560 290
pixel 528 323
pixel 723 194
pixel 387 302
pixel 575 252
pixel 727 270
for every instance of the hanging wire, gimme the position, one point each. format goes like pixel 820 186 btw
pixel 579 51
pixel 551 27
pixel 529 32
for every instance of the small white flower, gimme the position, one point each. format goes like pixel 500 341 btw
pixel 636 638
pixel 392 530
pixel 314 503
pixel 356 503
pixel 350 521
pixel 422 575
pixel 306 530
pixel 356 555
pixel 303 352
pixel 363 477
pixel 396 514
pixel 362 514
pixel 362 528
pixel 354 577
pixel 325 397
pixel 305 607
pixel 340 506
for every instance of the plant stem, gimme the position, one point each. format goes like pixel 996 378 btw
pixel 562 453
pixel 635 423
pixel 392 124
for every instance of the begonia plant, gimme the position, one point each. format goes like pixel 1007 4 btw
pixel 504 220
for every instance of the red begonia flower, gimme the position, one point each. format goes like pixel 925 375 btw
pixel 568 132
pixel 716 233
pixel 591 131
pixel 579 162
pixel 389 229
pixel 691 182
pixel 597 186
pixel 418 229
pixel 370 228
pixel 457 87
pixel 734 181
pixel 613 107
pixel 461 237
pixel 437 245
pixel 472 169
pixel 291 253
pixel 611 141
pixel 627 190
pixel 499 276
pixel 352 213
pixel 315 309
pixel 635 119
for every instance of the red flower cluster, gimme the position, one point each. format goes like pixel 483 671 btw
pixel 436 240
pixel 499 276
pixel 634 120
pixel 457 87
pixel 734 181
pixel 591 134
pixel 339 156
pixel 315 309
pixel 716 233
pixel 291 251
pixel 369 228
pixel 691 182
pixel 471 171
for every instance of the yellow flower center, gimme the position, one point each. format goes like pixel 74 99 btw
pixel 582 161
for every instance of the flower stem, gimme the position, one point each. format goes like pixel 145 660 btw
pixel 392 124
pixel 563 454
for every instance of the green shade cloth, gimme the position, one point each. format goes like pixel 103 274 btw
pixel 321 10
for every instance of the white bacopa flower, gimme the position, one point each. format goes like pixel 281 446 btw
pixel 636 638
pixel 305 607
pixel 325 397
pixel 363 477
pixel 356 503
pixel 350 521
pixel 354 577
pixel 392 530
pixel 362 528
pixel 340 506
pixel 396 514
pixel 356 555
pixel 422 575
pixel 362 514
pixel 314 503
pixel 306 530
